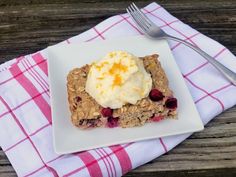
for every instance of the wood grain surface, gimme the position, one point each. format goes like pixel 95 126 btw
pixel 30 25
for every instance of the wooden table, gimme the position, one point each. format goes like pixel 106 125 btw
pixel 28 26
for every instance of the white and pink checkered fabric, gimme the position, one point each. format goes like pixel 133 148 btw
pixel 25 117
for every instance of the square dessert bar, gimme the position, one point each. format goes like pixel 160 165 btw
pixel 87 113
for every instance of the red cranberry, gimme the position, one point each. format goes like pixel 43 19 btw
pixel 157 118
pixel 112 122
pixel 78 99
pixel 107 112
pixel 155 95
pixel 171 103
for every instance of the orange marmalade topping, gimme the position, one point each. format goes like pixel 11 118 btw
pixel 118 67
pixel 115 69
pixel 112 54
pixel 100 78
pixel 99 67
pixel 117 81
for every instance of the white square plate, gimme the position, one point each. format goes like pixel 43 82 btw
pixel 63 58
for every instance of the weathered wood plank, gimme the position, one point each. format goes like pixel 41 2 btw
pixel 3 158
pixel 229 172
pixel 28 28
pixel 7 171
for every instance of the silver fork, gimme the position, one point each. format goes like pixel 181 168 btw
pixel 153 31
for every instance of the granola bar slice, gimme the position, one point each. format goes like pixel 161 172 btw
pixel 87 113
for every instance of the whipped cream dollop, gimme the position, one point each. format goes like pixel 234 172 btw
pixel 119 78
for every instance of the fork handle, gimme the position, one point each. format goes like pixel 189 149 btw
pixel 230 75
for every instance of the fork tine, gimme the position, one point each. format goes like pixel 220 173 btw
pixel 130 12
pixel 143 14
pixel 137 21
pixel 142 21
pixel 139 14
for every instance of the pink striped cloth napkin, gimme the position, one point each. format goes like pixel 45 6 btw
pixel 25 117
